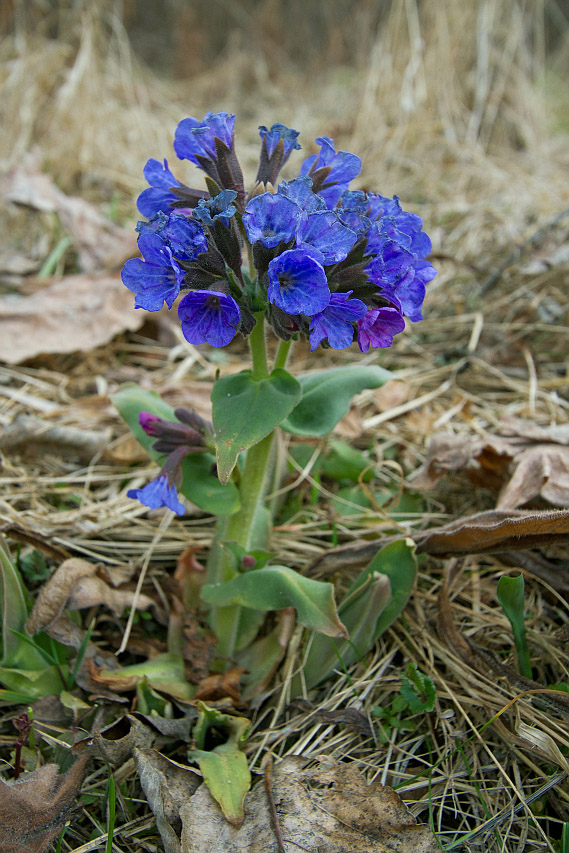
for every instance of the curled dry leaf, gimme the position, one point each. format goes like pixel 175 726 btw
pixel 116 742
pixel 539 457
pixel 75 314
pixel 34 810
pixel 167 785
pixel 329 808
pixel 75 585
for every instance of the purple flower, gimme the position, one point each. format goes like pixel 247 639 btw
pixel 300 191
pixel 195 140
pixel 158 196
pixel 378 326
pixel 219 208
pixel 158 493
pixel 409 292
pixel 325 233
pixel 298 283
pixel 148 423
pixel 331 170
pixel 155 280
pixel 209 316
pixel 270 219
pixel 336 321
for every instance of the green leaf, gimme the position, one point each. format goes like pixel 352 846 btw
pixel 417 690
pixel 371 605
pixel 277 587
pixel 224 768
pixel 14 616
pixel 245 410
pixel 511 597
pixel 326 397
pixel 164 672
pixel 32 683
pixel 344 462
pixel 199 485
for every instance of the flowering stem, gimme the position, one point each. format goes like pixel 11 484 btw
pixel 249 527
pixel 282 355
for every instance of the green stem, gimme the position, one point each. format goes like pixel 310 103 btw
pixel 282 355
pixel 249 527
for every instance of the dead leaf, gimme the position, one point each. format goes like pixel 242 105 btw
pixel 351 425
pixel 225 685
pixel 541 470
pixel 34 810
pixel 496 531
pixel 74 586
pixel 539 457
pixel 75 314
pixel 391 395
pixel 100 244
pixel 115 743
pixel 329 808
pixel 167 786
pixel 492 532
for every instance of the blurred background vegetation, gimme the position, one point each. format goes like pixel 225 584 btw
pixel 460 107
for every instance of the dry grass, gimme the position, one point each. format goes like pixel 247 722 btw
pixel 448 105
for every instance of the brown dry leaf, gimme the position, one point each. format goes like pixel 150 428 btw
pixel 100 244
pixel 75 314
pixel 34 810
pixel 540 456
pixel 116 742
pixel 391 395
pixel 329 808
pixel 167 786
pixel 541 470
pixel 222 686
pixel 75 585
pixel 496 531
pixel 351 425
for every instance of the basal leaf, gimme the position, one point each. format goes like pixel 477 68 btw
pixel 245 410
pixel 199 484
pixel 277 587
pixel 326 397
pixel 372 603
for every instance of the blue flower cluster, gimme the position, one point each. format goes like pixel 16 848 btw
pixel 331 264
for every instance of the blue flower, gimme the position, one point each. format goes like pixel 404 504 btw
pixel 325 233
pixel 300 191
pixel 209 316
pixel 331 170
pixel 195 140
pixel 270 219
pixel 279 132
pixel 336 321
pixel 156 279
pixel 220 208
pixel 158 493
pixel 378 326
pixel 352 212
pixel 406 223
pixel 298 283
pixel 158 196
pixel 408 293
pixel 184 235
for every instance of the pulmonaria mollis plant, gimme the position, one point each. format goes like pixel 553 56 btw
pixel 308 258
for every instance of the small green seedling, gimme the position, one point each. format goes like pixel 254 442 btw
pixel 416 696
pixel 511 598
